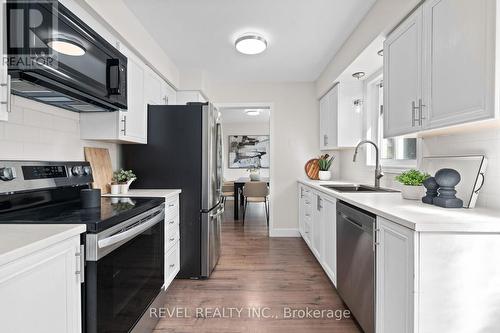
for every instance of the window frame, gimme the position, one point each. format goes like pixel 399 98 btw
pixel 372 125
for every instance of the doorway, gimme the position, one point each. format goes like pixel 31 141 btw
pixel 247 162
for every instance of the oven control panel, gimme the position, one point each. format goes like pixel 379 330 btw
pixel 31 175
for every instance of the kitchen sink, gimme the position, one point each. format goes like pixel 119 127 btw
pixel 358 188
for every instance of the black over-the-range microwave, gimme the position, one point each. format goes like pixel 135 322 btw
pixel 55 58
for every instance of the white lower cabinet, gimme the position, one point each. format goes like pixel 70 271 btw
pixel 318 227
pixel 41 292
pixel 172 240
pixel 329 258
pixel 429 282
pixel 395 260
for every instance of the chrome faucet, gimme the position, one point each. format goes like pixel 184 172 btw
pixel 378 169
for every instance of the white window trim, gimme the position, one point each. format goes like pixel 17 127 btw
pixel 370 128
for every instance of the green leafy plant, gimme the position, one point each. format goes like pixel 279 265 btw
pixel 123 176
pixel 325 162
pixel 412 177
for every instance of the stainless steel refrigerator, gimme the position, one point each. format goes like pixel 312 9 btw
pixel 184 151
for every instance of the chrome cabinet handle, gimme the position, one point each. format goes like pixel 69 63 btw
pixel 171 239
pixel 420 112
pixel 124 121
pixel 414 110
pixel 172 265
pixel 81 263
pixel 171 222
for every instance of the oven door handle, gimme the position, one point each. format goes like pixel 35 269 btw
pixel 130 233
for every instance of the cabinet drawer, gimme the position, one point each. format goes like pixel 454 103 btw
pixel 172 206
pixel 172 263
pixel 171 221
pixel 171 238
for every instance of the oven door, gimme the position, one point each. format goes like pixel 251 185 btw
pixel 124 273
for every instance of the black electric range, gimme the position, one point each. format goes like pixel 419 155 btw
pixel 124 244
pixel 112 212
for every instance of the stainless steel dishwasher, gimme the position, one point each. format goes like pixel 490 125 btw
pixel 356 263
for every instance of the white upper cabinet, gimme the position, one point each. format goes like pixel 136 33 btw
pixel 187 96
pixel 169 95
pixel 459 69
pixel 5 99
pixel 153 91
pixel 340 122
pixel 440 67
pixel 402 77
pixel 124 126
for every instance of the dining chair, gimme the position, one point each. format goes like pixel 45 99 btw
pixel 227 191
pixel 257 192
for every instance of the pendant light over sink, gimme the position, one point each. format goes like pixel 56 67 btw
pixel 251 43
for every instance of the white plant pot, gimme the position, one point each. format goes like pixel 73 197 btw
pixel 412 192
pixel 325 175
pixel 115 188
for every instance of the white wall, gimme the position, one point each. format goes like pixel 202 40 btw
pixel 241 128
pixel 37 131
pixel 294 139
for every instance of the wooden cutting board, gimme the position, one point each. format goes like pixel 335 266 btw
pixel 312 169
pixel 102 169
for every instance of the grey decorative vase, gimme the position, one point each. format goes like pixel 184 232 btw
pixel 432 190
pixel 447 179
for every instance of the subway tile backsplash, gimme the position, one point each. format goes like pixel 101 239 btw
pixel 37 131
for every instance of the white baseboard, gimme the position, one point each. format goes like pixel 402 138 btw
pixel 281 232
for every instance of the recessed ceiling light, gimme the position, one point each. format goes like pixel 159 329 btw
pixel 252 112
pixel 66 46
pixel 251 44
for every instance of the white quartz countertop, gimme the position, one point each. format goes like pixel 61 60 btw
pixel 414 214
pixel 154 193
pixel 19 240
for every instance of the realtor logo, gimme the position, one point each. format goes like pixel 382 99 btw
pixel 32 32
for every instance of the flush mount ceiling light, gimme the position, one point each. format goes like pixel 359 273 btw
pixel 358 75
pixel 66 46
pixel 252 112
pixel 251 44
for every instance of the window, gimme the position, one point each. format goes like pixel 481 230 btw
pixel 399 152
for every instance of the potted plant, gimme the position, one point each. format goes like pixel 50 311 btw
pixel 123 179
pixel 412 181
pixel 254 174
pixel 324 163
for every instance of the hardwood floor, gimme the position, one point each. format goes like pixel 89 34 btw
pixel 258 273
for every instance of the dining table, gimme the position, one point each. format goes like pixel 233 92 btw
pixel 238 192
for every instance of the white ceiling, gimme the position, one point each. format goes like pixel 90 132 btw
pixel 303 35
pixel 238 115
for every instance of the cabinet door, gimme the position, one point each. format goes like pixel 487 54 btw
pixel 323 115
pixel 459 42
pixel 4 78
pixel 45 282
pixel 330 238
pixel 153 93
pixel 168 94
pixel 133 122
pixel 317 227
pixel 328 119
pixel 402 77
pixel 395 255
